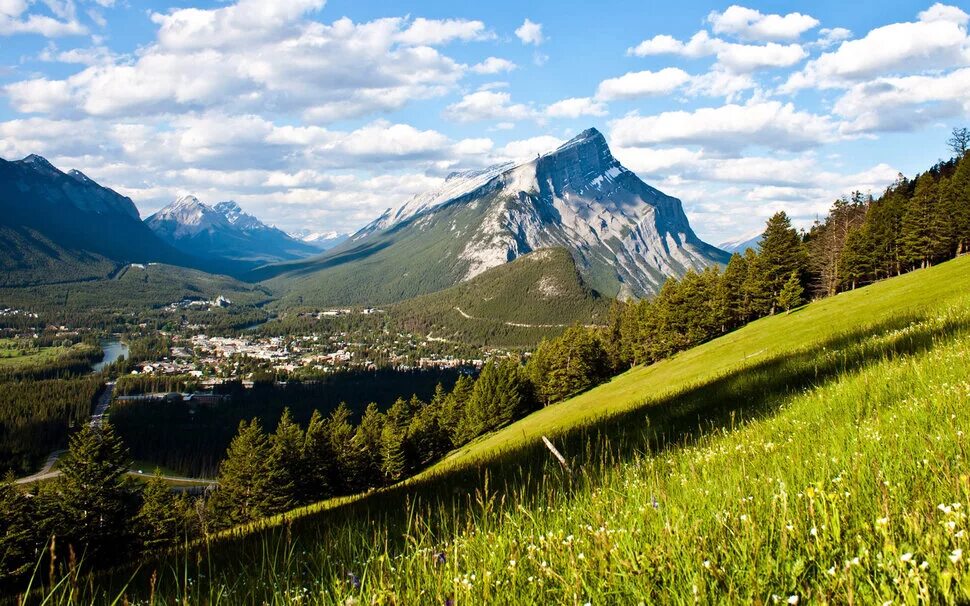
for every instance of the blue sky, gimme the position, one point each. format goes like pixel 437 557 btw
pixel 319 115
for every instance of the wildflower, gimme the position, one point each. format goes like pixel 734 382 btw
pixel 707 563
pixel 882 521
pixel 906 557
pixel 351 601
pixel 440 558
pixel 353 580
pixel 813 531
pixel 581 556
pixel 831 571
pixel 924 565
pixel 793 600
pixel 956 555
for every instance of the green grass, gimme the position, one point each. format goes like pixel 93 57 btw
pixel 12 358
pixel 818 456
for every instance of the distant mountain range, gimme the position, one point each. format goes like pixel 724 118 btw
pixel 224 231
pixel 58 227
pixel 741 244
pixel 321 240
pixel 625 236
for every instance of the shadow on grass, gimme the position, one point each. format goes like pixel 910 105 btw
pixel 449 500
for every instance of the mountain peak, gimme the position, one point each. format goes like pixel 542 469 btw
pixel 41 164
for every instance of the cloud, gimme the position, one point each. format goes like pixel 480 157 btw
pixel 937 41
pixel 528 149
pixel 904 103
pixel 488 105
pixel 256 56
pixel 642 84
pixel 750 24
pixel 493 65
pixel 15 19
pixel 732 56
pixel 530 33
pixel 434 31
pixel 769 124
pixel 575 108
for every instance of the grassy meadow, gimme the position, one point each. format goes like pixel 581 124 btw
pixel 812 457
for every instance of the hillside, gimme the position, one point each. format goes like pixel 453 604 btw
pixel 817 454
pixel 518 303
pixel 626 237
pixel 133 287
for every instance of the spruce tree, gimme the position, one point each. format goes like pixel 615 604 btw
pixel 368 440
pixel 245 491
pixel 159 522
pixel 919 240
pixel 318 458
pixel 92 501
pixel 781 253
pixel 959 201
pixel 394 444
pixel 731 291
pixel 453 407
pixel 286 467
pixel 347 459
pixel 757 288
pixel 19 539
pixel 792 293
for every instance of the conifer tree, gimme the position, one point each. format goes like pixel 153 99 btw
pixel 159 522
pixel 453 407
pixel 959 202
pixel 791 293
pixel 919 240
pixel 286 467
pixel 19 540
pixel 781 253
pixel 347 459
pixel 318 458
pixel 368 440
pixel 92 501
pixel 731 290
pixel 245 491
pixel 394 444
pixel 757 288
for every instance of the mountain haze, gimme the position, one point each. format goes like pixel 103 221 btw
pixel 625 236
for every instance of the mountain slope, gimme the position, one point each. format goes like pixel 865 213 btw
pixel 57 226
pixel 515 304
pixel 224 231
pixel 625 236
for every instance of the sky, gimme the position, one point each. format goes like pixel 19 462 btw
pixel 318 115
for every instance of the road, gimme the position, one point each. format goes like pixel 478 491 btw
pixel 521 325
pixel 97 420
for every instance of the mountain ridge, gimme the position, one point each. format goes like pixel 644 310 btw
pixel 626 237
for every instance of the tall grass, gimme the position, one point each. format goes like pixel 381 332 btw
pixel 834 471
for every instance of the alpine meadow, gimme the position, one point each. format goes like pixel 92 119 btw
pixel 322 302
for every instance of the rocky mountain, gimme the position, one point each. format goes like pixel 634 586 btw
pixel 741 244
pixel 321 240
pixel 625 236
pixel 60 227
pixel 224 231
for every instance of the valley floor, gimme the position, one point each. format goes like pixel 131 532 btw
pixel 815 457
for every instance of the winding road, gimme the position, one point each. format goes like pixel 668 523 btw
pixel 97 420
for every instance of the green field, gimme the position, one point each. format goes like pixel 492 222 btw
pixel 818 456
pixel 14 357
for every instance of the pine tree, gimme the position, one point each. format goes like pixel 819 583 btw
pixel 781 253
pixel 287 469
pixel 958 200
pixel 347 466
pixel 318 458
pixel 731 291
pixel 757 288
pixel 394 446
pixel 791 293
pixel 19 540
pixel 92 501
pixel 453 407
pixel 368 442
pixel 159 522
pixel 245 492
pixel 918 241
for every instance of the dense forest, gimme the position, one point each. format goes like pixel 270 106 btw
pixel 191 439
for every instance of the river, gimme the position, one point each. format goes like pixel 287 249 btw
pixel 112 351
